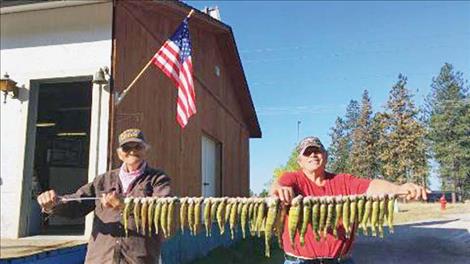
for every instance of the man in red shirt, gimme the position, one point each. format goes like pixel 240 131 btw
pixel 313 180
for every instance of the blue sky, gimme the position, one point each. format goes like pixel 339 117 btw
pixel 304 61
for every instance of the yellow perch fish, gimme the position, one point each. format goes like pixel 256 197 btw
pixel 125 214
pixel 170 214
pixel 220 215
pixel 156 215
pixel 366 216
pixel 280 223
pixel 270 221
pixel 197 214
pixel 330 213
pixel 143 214
pixel 323 214
pixel 183 213
pixel 306 217
pixel 375 215
pixel 294 217
pixel 346 211
pixel 207 216
pixel 316 217
pixel 338 214
pixel 163 217
pixel 233 218
pixel 137 206
pixel 382 208
pixel 361 201
pixel 260 217
pixel 244 216
pixel 353 212
pixel 151 210
pixel 191 215
pixel 390 212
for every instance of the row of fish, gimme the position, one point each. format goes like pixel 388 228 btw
pixel 262 215
pixel 333 212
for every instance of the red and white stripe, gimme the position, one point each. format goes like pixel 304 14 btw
pixel 167 59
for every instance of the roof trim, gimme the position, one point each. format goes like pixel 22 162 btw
pixel 253 121
pixel 204 15
pixel 47 5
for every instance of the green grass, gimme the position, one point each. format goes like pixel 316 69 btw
pixel 246 251
pixel 417 211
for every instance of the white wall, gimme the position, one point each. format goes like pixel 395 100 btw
pixel 47 44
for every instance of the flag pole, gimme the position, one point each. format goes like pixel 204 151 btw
pixel 125 91
pixel 190 13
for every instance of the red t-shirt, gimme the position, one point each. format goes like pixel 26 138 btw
pixel 339 184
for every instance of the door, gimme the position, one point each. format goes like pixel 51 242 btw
pixel 211 172
pixel 61 148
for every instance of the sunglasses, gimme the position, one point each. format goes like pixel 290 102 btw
pixel 132 146
pixel 309 150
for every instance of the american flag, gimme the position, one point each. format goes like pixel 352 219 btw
pixel 174 59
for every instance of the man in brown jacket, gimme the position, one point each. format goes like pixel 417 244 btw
pixel 108 243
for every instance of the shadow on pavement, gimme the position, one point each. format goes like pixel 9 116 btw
pixel 425 242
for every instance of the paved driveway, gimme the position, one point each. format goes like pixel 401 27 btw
pixel 440 241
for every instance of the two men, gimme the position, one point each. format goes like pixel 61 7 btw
pixel 108 243
pixel 313 180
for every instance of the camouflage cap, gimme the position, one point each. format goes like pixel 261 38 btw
pixel 131 135
pixel 309 142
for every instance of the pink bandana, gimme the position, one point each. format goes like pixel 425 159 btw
pixel 128 177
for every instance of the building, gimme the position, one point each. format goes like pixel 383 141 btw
pixel 61 129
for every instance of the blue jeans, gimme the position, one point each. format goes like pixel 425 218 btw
pixel 346 261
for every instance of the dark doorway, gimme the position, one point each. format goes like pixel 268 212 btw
pixel 62 147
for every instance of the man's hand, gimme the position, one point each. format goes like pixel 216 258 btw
pixel 413 191
pixel 111 200
pixel 285 193
pixel 48 200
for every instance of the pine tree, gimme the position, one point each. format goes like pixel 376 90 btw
pixel 449 124
pixel 340 148
pixel 403 148
pixel 362 157
pixel 352 115
pixel 338 151
pixel 379 128
pixel 350 123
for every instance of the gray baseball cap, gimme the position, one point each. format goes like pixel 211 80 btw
pixel 309 142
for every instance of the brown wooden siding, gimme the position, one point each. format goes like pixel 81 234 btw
pixel 140 30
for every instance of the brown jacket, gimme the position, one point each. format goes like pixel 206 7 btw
pixel 108 243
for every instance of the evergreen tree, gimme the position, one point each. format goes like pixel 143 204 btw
pixel 448 118
pixel 362 157
pixel 403 148
pixel 352 115
pixel 338 151
pixel 379 128
pixel 341 139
